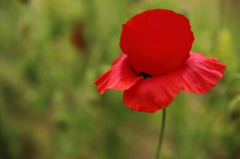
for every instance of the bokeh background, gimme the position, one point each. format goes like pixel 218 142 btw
pixel 51 52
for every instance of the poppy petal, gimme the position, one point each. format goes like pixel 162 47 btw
pixel 150 95
pixel 157 41
pixel 199 74
pixel 119 77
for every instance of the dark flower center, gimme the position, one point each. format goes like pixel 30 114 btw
pixel 145 75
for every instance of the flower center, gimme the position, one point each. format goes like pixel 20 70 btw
pixel 145 75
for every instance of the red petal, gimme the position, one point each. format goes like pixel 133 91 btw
pixel 150 95
pixel 157 41
pixel 119 77
pixel 199 74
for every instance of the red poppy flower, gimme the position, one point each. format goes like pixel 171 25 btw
pixel 157 62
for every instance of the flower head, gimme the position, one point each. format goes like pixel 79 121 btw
pixel 157 63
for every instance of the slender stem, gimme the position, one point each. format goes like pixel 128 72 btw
pixel 161 134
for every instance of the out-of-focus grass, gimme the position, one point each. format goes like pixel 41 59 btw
pixel 52 51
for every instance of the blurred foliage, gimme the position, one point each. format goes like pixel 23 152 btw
pixel 51 51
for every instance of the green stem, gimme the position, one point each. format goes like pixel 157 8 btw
pixel 160 141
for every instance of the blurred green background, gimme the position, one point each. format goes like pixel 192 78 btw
pixel 51 52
